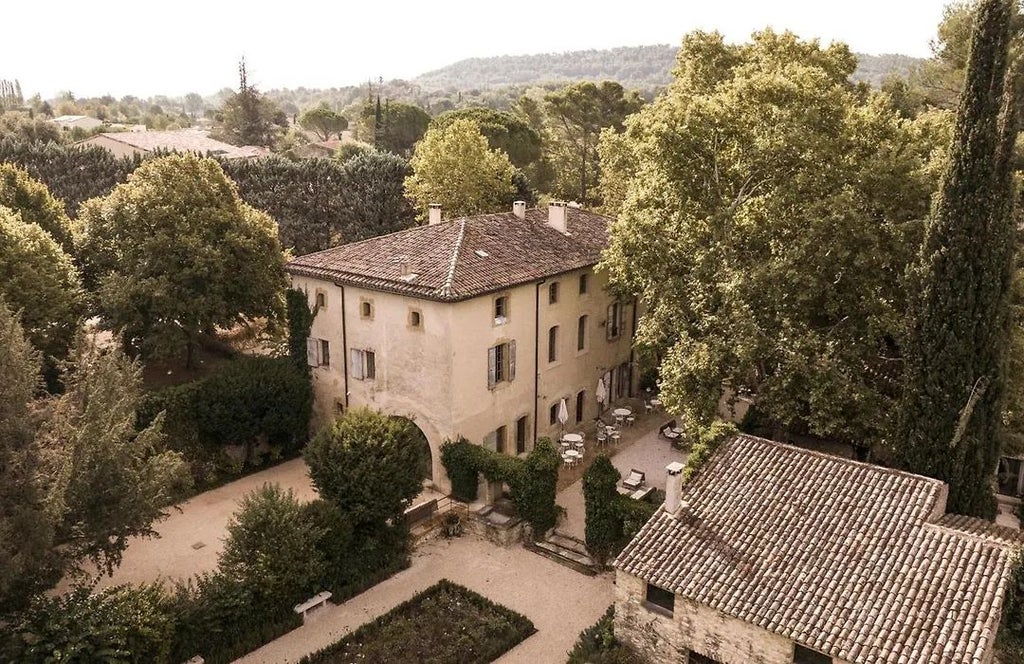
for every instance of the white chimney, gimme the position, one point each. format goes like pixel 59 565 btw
pixel 673 486
pixel 519 209
pixel 434 213
pixel 556 216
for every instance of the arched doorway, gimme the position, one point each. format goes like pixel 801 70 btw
pixel 420 441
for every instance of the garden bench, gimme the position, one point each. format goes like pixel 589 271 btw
pixel 316 601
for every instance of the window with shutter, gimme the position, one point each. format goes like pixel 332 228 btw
pixel 325 353
pixel 512 360
pixel 356 362
pixel 369 364
pixel 492 367
pixel 312 352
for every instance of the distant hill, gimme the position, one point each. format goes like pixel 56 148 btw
pixel 635 67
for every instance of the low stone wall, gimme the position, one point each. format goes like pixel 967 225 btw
pixel 506 534
pixel 665 639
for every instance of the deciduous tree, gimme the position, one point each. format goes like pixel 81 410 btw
pixel 455 167
pixel 770 253
pixel 323 122
pixel 950 414
pixel 22 193
pixel 174 253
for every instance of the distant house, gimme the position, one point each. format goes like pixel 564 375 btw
pixel 774 554
pixel 320 148
pixel 128 143
pixel 69 122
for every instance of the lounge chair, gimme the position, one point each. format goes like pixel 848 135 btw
pixel 635 479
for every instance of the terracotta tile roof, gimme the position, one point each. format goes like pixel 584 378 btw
pixel 183 140
pixel 850 559
pixel 460 259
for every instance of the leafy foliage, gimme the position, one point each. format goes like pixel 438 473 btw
pixel 603 525
pixel 392 127
pixel 248 117
pixel 323 122
pixel 24 194
pixel 300 321
pixel 597 644
pixel 779 262
pixel 174 253
pixel 503 131
pixel 367 464
pixel 374 196
pixel 118 625
pixel 461 460
pixel 445 624
pixel 73 173
pixel 955 362
pixel 455 167
pixel 38 280
pixel 709 439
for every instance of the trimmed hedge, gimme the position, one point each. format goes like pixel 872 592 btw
pixel 612 519
pixel 444 624
pixel 533 480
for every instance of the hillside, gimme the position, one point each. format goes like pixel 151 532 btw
pixel 637 67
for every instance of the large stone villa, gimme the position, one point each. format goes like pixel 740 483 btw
pixel 474 327
pixel 774 554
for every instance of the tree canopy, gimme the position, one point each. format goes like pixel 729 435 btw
pixel 323 122
pixel 392 126
pixel 767 215
pixel 174 253
pixel 22 193
pixel 39 281
pixel 248 117
pixel 503 131
pixel 455 167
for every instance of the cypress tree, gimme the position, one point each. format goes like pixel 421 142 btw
pixel 948 425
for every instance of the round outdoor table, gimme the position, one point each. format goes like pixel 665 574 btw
pixel 656 403
pixel 572 438
pixel 622 412
pixel 573 454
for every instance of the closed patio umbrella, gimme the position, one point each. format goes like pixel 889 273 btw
pixel 602 392
pixel 563 414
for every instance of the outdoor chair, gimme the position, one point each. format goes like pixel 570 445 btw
pixel 668 434
pixel 648 407
pixel 635 479
pixel 630 420
pixel 602 436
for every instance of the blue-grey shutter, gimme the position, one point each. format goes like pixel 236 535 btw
pixel 312 352
pixel 512 360
pixel 492 366
pixel 357 363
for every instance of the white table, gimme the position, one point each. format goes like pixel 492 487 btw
pixel 575 454
pixel 656 403
pixel 622 412
pixel 572 438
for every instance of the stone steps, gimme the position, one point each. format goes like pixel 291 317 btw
pixel 567 551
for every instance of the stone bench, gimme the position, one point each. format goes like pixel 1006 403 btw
pixel 314 602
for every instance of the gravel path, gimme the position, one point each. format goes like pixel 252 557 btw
pixel 559 601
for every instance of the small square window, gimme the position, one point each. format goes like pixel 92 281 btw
pixel 415 318
pixel 553 293
pixel 584 283
pixel 501 310
pixel 661 598
pixel 321 299
pixel 366 309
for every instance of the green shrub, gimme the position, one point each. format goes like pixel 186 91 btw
pixel 444 624
pixel 300 320
pixel 534 495
pixel 603 526
pixel 597 645
pixel 122 624
pixel 633 514
pixel 708 441
pixel 461 461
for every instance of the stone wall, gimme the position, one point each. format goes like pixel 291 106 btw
pixel 665 639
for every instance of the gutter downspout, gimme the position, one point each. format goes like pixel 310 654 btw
pixel 344 344
pixel 536 355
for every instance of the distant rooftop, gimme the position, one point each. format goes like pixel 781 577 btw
pixel 183 140
pixel 463 258
pixel 850 559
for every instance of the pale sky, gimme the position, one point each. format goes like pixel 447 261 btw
pixel 145 48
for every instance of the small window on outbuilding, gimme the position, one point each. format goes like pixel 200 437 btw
pixel 661 598
pixel 802 655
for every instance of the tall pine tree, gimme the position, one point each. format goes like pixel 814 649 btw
pixel 955 361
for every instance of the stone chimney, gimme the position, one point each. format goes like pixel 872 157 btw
pixel 556 216
pixel 434 213
pixel 519 209
pixel 673 486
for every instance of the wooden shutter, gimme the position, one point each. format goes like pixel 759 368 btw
pixel 609 324
pixel 357 363
pixel 312 352
pixel 370 368
pixel 492 367
pixel 512 360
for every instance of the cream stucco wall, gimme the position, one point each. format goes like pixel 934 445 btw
pixel 668 639
pixel 437 374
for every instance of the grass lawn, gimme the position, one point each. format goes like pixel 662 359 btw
pixel 444 624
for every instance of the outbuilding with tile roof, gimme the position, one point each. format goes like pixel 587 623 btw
pixel 774 554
